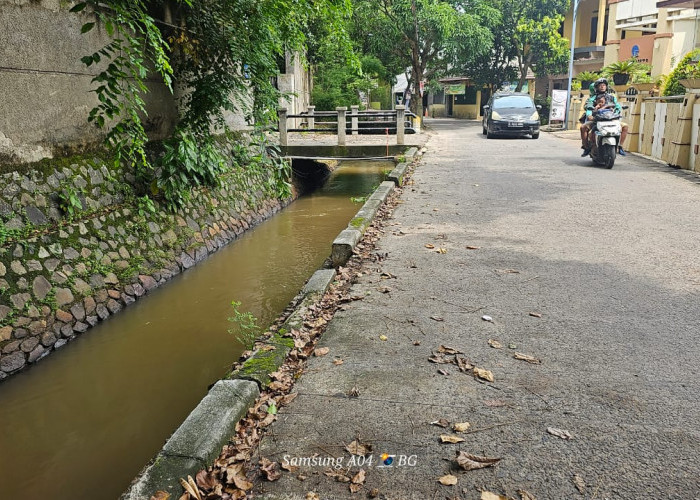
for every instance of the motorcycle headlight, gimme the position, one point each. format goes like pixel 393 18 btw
pixel 495 115
pixel 535 116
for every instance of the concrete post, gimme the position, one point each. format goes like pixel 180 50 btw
pixel 283 126
pixel 400 117
pixel 341 125
pixel 311 121
pixel 353 119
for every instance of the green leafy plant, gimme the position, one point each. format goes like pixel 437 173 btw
pixel 145 206
pixel 587 76
pixel 247 329
pixel 69 200
pixel 687 68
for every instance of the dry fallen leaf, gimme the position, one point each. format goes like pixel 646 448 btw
pixel 358 448
pixel 289 467
pixel 270 469
pixel 429 245
pixel 461 426
pixel 373 493
pixel 440 423
pixel 579 483
pixel 495 403
pixel 359 478
pixel 483 374
pixel 338 362
pixel 524 495
pixel 437 318
pixel 312 495
pixel 448 480
pixel 472 462
pixel 463 364
pixel 525 357
pixel 469 247
pixel 442 251
pixel 443 372
pixel 448 438
pixel 535 315
pixel 286 399
pixel 321 351
pixel 339 476
pixel 416 342
pixel 560 433
pixel 495 344
pixel 383 338
pixel 354 488
pixel 448 350
pixel 242 483
pixel 487 495
pixel 160 495
pixel 191 487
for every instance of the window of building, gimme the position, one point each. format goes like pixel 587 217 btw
pixel 594 29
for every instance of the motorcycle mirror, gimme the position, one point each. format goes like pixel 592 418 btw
pixel 539 107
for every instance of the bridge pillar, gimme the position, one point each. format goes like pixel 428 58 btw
pixel 282 113
pixel 400 125
pixel 353 120
pixel 341 125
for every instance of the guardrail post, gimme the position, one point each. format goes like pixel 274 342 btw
pixel 282 113
pixel 310 120
pixel 400 117
pixel 341 125
pixel 354 110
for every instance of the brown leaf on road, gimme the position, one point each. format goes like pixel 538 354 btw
pixel 579 483
pixel 191 488
pixel 495 403
pixel 354 488
pixel 495 344
pixel 472 462
pixel 437 318
pixel 535 315
pixel 440 359
pixel 507 271
pixel 416 342
pixel 448 350
pixel 525 357
pixel 286 399
pixel 160 495
pixel 461 426
pixel 338 361
pixel 312 495
pixel 441 251
pixel 206 480
pixel 337 475
pixel 269 418
pixel 242 483
pixel 429 246
pixel 483 374
pixel 321 351
pixel 443 372
pixel 448 480
pixel 270 468
pixel 358 448
pixel 463 364
pixel 440 423
pixel 487 495
pixel 524 495
pixel 384 289
pixel 360 477
pixel 289 467
pixel 449 438
pixel 560 433
pixel 470 247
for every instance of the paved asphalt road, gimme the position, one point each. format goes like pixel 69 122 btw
pixel 609 258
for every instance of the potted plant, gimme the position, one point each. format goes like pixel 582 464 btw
pixel 586 78
pixel 622 71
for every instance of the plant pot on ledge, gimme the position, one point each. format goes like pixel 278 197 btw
pixel 621 78
pixel 690 83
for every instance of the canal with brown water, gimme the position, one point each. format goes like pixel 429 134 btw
pixel 83 422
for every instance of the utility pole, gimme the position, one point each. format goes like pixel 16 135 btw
pixel 571 62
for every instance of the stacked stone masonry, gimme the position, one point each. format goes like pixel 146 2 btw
pixel 59 276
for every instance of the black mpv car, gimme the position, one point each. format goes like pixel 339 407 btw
pixel 511 114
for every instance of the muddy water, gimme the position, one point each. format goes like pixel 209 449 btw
pixel 83 422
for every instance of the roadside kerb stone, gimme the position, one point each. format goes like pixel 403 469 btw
pixel 396 176
pixel 319 282
pixel 343 245
pixel 198 441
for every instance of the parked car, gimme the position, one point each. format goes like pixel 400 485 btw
pixel 511 114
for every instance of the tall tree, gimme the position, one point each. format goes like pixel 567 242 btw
pixel 526 36
pixel 421 36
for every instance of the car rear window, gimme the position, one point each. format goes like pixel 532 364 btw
pixel 513 101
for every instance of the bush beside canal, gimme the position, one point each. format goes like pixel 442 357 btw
pixel 79 241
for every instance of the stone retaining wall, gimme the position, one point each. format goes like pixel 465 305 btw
pixel 60 276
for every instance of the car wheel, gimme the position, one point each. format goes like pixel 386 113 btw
pixel 483 130
pixel 489 134
pixel 536 135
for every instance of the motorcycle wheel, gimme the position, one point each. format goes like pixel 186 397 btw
pixel 607 154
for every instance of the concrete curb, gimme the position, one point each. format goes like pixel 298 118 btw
pixel 198 441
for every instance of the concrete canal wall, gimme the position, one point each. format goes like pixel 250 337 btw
pixel 61 275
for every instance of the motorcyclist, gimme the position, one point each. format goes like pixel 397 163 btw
pixel 600 88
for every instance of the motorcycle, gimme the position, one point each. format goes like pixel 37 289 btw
pixel 604 137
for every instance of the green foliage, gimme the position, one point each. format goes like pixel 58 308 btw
pixel 69 200
pixel 687 68
pixel 546 103
pixel 224 55
pixel 247 329
pixel 587 76
pixel 145 206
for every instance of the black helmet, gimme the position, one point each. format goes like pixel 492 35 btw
pixel 599 81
